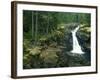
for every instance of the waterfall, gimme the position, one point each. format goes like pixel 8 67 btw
pixel 76 46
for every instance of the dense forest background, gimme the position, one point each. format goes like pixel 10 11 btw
pixel 47 39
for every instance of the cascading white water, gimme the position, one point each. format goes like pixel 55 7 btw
pixel 76 46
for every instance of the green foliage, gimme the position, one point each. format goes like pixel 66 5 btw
pixel 47 38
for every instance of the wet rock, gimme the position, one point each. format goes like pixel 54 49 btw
pixel 77 60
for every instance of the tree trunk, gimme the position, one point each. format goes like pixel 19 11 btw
pixel 32 25
pixel 36 28
pixel 47 23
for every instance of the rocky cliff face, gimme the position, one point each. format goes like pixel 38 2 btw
pixel 84 36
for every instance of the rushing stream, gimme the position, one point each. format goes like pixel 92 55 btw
pixel 76 46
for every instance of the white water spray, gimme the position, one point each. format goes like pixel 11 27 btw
pixel 76 46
